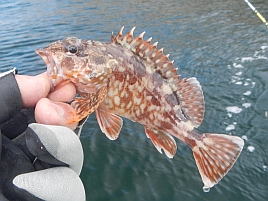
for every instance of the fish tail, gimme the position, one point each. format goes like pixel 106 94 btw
pixel 214 154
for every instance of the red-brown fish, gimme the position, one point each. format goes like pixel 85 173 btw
pixel 132 78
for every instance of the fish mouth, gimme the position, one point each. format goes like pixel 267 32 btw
pixel 52 67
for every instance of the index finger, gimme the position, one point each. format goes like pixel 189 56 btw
pixel 63 94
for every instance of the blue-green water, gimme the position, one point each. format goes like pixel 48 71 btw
pixel 222 43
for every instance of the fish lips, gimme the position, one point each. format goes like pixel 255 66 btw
pixel 52 68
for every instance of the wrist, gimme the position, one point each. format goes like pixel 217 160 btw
pixel 10 100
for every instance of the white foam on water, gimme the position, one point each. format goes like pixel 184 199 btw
pixel 246 105
pixel 229 114
pixel 247 93
pixel 236 80
pixel 262 57
pixel 230 127
pixel 251 148
pixel 247 59
pixel 239 73
pixel 249 82
pixel 237 65
pixel 234 109
pixel 245 84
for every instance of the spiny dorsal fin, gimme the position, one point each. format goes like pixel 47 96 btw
pixel 191 98
pixel 148 52
pixel 188 91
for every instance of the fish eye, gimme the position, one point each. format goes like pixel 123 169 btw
pixel 73 49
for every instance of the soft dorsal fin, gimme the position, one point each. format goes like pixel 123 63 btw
pixel 148 52
pixel 191 98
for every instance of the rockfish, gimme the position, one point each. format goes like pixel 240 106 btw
pixel 132 78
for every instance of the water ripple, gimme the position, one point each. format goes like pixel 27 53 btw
pixel 221 43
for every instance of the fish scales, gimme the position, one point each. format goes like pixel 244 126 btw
pixel 138 88
pixel 132 78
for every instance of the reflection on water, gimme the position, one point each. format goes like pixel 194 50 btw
pixel 222 43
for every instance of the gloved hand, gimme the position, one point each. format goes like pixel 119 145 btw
pixel 38 162
pixel 43 163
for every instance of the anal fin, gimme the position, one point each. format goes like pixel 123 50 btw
pixel 110 124
pixel 163 141
pixel 215 155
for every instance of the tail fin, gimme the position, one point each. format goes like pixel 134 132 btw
pixel 215 154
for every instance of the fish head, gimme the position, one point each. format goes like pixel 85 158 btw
pixel 78 61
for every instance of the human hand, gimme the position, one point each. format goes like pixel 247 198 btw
pixel 49 106
pixel 42 164
pixel 45 161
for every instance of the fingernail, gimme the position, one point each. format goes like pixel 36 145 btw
pixel 58 108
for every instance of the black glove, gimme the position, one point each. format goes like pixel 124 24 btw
pixel 38 162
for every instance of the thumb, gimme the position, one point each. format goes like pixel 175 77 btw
pixel 33 88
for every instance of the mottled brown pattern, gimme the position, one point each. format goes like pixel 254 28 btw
pixel 154 101
pixel 69 63
pixel 98 59
pixel 131 77
pixel 119 76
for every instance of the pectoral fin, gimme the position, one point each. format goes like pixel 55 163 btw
pixel 110 124
pixel 163 141
pixel 87 104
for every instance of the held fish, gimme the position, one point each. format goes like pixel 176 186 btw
pixel 132 78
